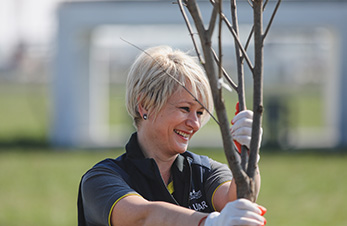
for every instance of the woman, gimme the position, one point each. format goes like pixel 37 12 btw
pixel 157 181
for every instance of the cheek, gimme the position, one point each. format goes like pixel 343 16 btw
pixel 172 117
pixel 165 122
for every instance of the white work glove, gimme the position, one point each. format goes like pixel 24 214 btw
pixel 241 129
pixel 239 212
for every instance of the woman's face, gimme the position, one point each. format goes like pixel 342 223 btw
pixel 175 124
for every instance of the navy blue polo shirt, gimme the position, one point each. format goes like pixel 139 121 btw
pixel 195 179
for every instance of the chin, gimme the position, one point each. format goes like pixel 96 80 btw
pixel 181 150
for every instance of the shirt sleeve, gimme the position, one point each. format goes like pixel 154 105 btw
pixel 219 174
pixel 101 188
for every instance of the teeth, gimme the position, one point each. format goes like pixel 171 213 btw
pixel 185 135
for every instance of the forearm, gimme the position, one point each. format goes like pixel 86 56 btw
pixel 161 213
pixel 134 210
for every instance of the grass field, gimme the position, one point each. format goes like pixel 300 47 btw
pixel 39 187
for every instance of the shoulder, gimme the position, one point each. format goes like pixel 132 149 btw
pixel 108 167
pixel 106 177
pixel 100 188
pixel 205 162
pixel 195 159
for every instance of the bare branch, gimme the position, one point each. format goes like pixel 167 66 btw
pixel 271 19
pixel 248 41
pixel 240 73
pixel 190 31
pixel 250 3
pixel 226 76
pixel 257 87
pixel 240 77
pixel 215 11
pixel 196 15
pixel 252 30
pixel 238 42
pixel 220 62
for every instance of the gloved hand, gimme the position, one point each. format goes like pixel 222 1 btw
pixel 242 127
pixel 239 212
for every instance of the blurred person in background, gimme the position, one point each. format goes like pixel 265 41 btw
pixel 157 181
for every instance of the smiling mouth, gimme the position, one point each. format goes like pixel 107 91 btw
pixel 183 134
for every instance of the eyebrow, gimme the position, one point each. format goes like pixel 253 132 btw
pixel 192 103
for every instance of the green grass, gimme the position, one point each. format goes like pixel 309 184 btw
pixel 40 187
pixel 304 189
pixel 25 108
pixel 23 113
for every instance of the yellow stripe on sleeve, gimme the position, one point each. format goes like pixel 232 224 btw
pixel 214 192
pixel 109 214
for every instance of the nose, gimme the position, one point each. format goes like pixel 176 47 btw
pixel 193 121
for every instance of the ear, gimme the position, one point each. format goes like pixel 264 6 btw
pixel 140 108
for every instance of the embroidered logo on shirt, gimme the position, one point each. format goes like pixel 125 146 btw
pixel 199 206
pixel 195 194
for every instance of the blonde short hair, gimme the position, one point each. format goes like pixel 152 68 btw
pixel 148 81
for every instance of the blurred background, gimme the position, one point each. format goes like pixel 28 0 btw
pixel 63 65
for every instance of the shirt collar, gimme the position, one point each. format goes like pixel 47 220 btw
pixel 134 151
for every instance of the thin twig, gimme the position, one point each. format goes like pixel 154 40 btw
pixel 226 76
pixel 240 76
pixel 250 3
pixel 249 38
pixel 211 26
pixel 271 19
pixel 238 42
pixel 180 4
pixel 220 53
pixel 252 30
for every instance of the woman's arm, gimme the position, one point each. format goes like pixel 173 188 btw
pixel 134 210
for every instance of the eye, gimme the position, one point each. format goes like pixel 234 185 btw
pixel 199 113
pixel 186 109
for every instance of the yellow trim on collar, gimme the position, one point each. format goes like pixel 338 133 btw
pixel 109 214
pixel 170 187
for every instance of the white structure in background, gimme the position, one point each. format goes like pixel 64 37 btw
pixel 80 97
